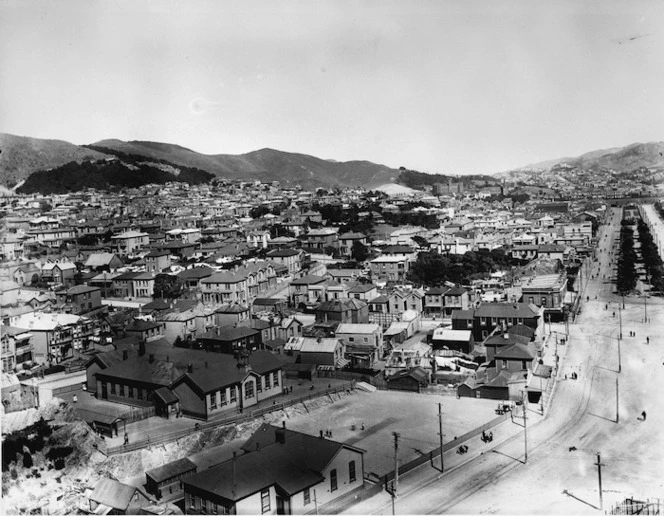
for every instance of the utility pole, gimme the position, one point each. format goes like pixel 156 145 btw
pixel 396 464
pixel 619 359
pixel 599 476
pixel 440 428
pixel 620 319
pixel 525 428
pixel 617 402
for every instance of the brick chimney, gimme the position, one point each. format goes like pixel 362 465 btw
pixel 280 434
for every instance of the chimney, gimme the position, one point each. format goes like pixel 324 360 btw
pixel 280 434
pixel 125 354
pixel 321 435
pixel 190 368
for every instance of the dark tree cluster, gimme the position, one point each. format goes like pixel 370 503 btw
pixel 651 258
pixel 627 276
pixel 432 269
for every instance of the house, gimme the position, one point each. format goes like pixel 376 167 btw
pixel 485 318
pixel 318 351
pixel 343 275
pixel 457 340
pixel 227 386
pixel 298 290
pixel 191 278
pixel 145 331
pixel 123 285
pixel 347 240
pixel 321 239
pixel 230 339
pixel 186 324
pixel 547 291
pixel 389 268
pixel 59 273
pixel 16 348
pixel 515 358
pixel 113 497
pixel 157 260
pixel 232 314
pixel 408 380
pixel 434 301
pixel 455 298
pixel 269 304
pixel 281 472
pixel 365 292
pixel 364 343
pixel 289 258
pixel 342 311
pixel 79 299
pixel 103 262
pixel 130 242
pixel 167 479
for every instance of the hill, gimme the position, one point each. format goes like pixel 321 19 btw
pixel 265 164
pixel 126 171
pixel 620 159
pixel 20 156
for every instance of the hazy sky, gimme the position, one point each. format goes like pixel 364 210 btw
pixel 438 86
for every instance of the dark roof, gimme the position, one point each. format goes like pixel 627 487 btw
pixel 195 273
pixel 282 253
pixel 140 369
pixel 309 279
pixel 166 395
pixel 268 301
pixel 416 373
pixel 229 333
pixel 171 470
pixel 436 291
pixel 127 276
pixel 293 465
pixel 516 352
pixel 522 330
pixel 81 289
pixel 456 291
pixel 156 254
pixel 141 325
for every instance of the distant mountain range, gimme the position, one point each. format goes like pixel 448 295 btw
pixel 22 156
pixel 621 159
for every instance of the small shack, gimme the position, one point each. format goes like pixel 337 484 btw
pixel 113 497
pixel 408 380
pixel 167 479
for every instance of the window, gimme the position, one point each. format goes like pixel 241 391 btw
pixel 249 390
pixel 233 395
pixel 265 501
pixel 268 382
pixel 139 393
pixel 275 378
pixel 523 365
pixel 351 471
pixel 483 321
pixel 131 392
pixel 485 334
pixel 333 480
pixel 112 388
pixel 213 400
pixel 494 320
pixel 469 324
pixel 504 364
pixel 259 384
pixel 366 339
pixel 351 339
pixel 307 496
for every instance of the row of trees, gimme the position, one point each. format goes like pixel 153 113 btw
pixel 627 276
pixel 651 258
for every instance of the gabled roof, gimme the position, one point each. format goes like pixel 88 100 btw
pixel 171 469
pixel 516 352
pixel 113 493
pixel 309 279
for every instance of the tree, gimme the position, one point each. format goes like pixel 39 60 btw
pixel 422 242
pixel 167 286
pixel 359 252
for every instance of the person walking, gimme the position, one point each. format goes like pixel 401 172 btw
pixel 643 414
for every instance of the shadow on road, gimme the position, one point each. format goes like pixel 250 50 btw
pixel 508 456
pixel 602 417
pixel 579 499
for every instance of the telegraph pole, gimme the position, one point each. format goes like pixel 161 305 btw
pixel 599 476
pixel 396 464
pixel 440 427
pixel 525 428
pixel 619 359
pixel 620 319
pixel 617 401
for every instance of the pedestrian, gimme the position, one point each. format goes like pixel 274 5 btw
pixel 74 398
pixel 490 436
pixel 643 414
pixel 126 438
pixel 647 340
pixel 291 388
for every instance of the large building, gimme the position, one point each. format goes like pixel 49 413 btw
pixel 281 472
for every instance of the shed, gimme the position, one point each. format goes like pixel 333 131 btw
pixel 408 380
pixel 168 478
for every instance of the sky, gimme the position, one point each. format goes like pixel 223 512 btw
pixel 454 87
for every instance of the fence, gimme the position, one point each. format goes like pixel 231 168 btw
pixel 234 419
pixel 377 381
pixel 631 506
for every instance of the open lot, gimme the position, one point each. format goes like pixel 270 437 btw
pixel 414 416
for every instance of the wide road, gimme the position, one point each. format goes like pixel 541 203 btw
pixel 595 414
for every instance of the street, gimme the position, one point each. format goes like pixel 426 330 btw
pixel 597 413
